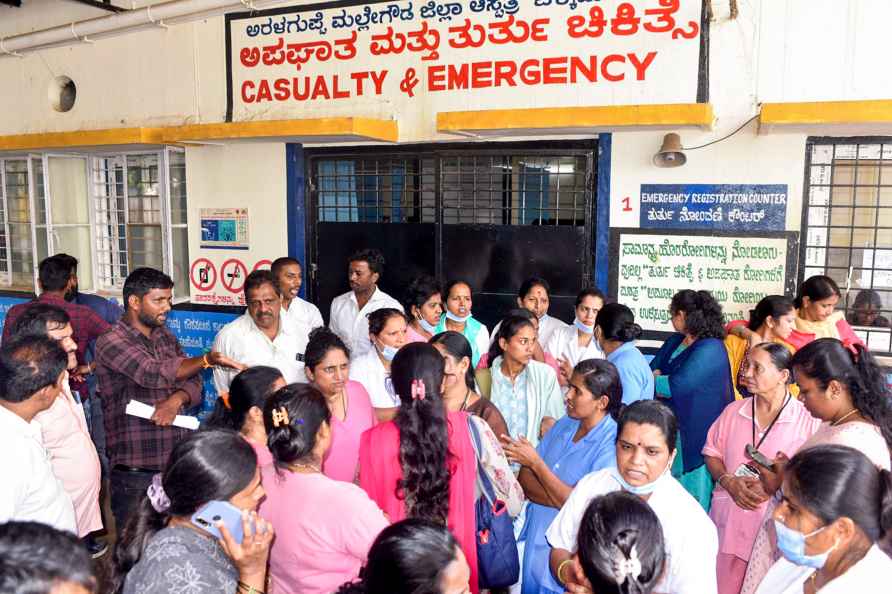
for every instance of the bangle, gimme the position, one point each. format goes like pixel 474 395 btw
pixel 205 363
pixel 243 587
pixel 561 568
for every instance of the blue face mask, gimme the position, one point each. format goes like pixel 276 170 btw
pixel 582 327
pixel 643 489
pixel 457 319
pixel 426 326
pixel 791 544
pixel 388 352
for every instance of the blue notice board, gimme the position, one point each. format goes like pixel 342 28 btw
pixel 721 207
pixel 194 329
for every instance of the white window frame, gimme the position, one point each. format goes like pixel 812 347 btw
pixel 163 156
pixel 100 284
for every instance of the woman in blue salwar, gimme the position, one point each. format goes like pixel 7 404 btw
pixel 581 442
pixel 693 377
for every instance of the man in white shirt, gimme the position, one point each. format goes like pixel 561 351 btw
pixel 289 277
pixel 348 311
pixel 259 336
pixel 33 371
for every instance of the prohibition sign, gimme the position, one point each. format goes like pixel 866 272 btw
pixel 232 275
pixel 203 274
pixel 261 263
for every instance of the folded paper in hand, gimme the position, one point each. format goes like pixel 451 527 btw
pixel 144 411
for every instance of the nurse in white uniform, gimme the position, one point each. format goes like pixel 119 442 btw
pixel 533 296
pixel 387 333
pixel 828 524
pixel 645 448
pixel 572 344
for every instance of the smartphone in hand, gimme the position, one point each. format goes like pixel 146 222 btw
pixel 759 458
pixel 213 512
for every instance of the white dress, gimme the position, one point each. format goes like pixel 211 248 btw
pixel 368 370
pixel 564 344
pixel 867 576
pixel 692 542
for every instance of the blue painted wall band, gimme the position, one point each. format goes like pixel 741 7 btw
pixel 602 213
pixel 296 207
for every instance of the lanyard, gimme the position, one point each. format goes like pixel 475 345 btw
pixel 776 417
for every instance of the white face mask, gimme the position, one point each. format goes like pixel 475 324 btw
pixel 648 488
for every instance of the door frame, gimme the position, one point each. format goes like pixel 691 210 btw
pixel 587 147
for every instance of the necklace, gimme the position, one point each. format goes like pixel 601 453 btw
pixel 312 467
pixel 465 403
pixel 844 417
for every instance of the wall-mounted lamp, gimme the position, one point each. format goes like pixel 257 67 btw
pixel 671 154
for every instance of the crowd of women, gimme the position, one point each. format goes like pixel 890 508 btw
pixel 748 457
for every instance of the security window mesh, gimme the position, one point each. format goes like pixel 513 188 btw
pixel 847 225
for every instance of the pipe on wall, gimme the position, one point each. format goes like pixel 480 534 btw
pixel 177 11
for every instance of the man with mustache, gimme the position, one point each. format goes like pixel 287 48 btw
pixel 260 336
pixel 141 359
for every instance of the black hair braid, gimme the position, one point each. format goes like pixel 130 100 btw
pixel 870 392
pixel 424 453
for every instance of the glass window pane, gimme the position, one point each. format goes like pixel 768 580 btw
pixel 68 190
pixel 180 257
pixel 177 187
pixel 75 241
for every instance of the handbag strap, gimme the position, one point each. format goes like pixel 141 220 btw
pixel 483 480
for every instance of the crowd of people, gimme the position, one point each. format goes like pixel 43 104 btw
pixel 405 448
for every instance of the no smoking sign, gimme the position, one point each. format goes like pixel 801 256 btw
pixel 232 275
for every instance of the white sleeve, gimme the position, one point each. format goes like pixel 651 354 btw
pixel 562 532
pixel 553 347
pixel 695 570
pixel 14 467
pixel 316 320
pixel 482 339
pixel 222 376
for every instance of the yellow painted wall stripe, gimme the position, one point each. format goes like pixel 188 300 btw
pixel 827 112
pixel 611 116
pixel 361 128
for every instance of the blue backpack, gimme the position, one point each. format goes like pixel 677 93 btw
pixel 497 560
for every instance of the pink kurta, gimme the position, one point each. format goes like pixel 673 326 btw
pixel 412 335
pixel 864 437
pixel 264 456
pixel 324 530
pixel 73 458
pixel 379 471
pixel 342 458
pixel 727 440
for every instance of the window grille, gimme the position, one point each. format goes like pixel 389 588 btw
pixel 16 247
pixel 139 213
pixel 847 225
pixel 485 188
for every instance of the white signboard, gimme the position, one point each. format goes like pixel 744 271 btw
pixel 739 271
pixel 411 59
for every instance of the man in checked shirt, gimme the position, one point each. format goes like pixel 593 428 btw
pixel 140 359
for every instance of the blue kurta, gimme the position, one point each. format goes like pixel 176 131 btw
pixel 634 373
pixel 570 462
pixel 699 379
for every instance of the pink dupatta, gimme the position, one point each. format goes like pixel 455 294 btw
pixel 379 471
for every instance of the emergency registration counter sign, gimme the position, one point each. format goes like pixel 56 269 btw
pixel 414 59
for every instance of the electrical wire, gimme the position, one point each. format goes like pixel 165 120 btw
pixel 742 126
